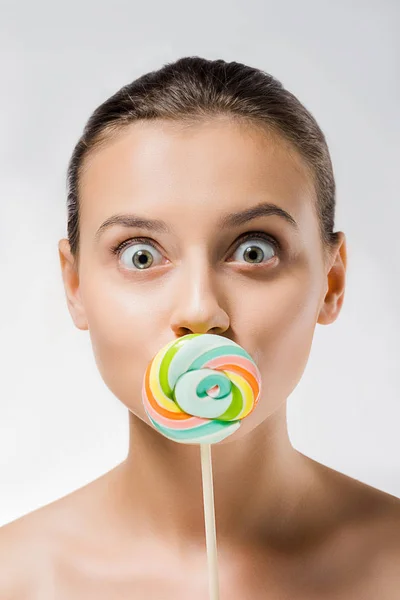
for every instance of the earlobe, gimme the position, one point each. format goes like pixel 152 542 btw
pixel 336 282
pixel 70 277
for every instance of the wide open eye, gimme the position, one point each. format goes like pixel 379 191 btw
pixel 256 249
pixel 140 255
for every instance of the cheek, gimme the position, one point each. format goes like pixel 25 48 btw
pixel 124 328
pixel 284 336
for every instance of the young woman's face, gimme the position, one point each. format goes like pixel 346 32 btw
pixel 197 273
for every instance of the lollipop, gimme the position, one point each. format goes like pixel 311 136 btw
pixel 198 388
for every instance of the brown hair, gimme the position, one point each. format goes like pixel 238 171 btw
pixel 192 89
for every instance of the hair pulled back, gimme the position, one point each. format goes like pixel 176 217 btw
pixel 193 89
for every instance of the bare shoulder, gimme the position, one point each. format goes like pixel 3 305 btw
pixel 22 557
pixel 357 502
pixel 367 530
pixel 381 525
pixel 379 514
pixel 33 547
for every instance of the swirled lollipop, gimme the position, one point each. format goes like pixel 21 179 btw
pixel 198 388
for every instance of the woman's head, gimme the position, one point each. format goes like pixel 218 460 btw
pixel 187 146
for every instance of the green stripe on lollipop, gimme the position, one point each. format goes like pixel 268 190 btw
pixel 166 361
pixel 235 406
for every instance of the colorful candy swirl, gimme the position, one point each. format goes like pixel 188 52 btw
pixel 198 388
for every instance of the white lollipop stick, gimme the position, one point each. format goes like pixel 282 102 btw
pixel 209 518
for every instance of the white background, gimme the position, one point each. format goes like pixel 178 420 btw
pixel 60 427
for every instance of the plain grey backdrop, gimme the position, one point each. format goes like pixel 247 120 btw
pixel 60 427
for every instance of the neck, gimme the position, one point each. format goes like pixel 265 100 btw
pixel 259 481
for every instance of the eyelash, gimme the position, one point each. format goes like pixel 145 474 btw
pixel 118 248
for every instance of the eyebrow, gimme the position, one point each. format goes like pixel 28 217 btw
pixel 235 219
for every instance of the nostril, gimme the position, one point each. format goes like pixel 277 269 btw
pixel 184 331
pixel 215 330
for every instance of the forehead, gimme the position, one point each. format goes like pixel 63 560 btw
pixel 172 171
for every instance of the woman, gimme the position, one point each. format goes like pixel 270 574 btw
pixel 201 200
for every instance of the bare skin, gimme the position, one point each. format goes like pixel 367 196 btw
pixel 288 527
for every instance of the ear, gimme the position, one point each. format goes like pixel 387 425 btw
pixel 336 279
pixel 70 277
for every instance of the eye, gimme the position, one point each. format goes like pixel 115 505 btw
pixel 255 253
pixel 139 254
pixel 140 251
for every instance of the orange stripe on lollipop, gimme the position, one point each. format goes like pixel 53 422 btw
pixel 159 409
pixel 246 375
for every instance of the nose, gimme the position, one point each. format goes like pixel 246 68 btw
pixel 197 307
